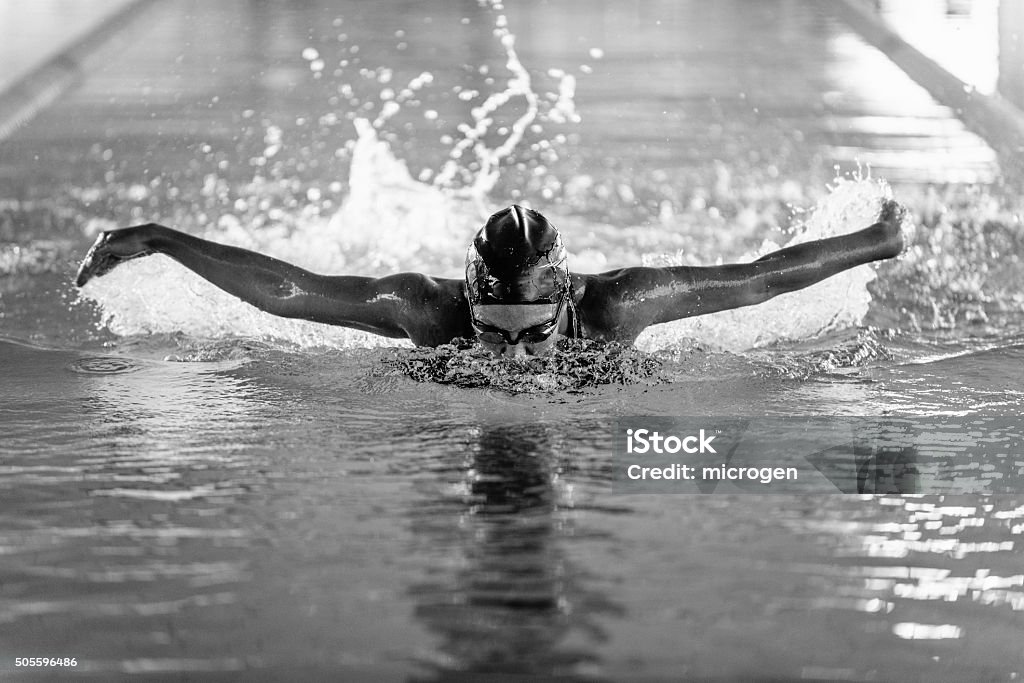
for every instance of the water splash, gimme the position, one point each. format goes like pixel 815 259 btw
pixel 961 272
pixel 392 222
pixel 579 364
pixel 389 222
pixel 489 158
pixel 843 358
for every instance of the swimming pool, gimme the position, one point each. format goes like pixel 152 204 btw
pixel 196 488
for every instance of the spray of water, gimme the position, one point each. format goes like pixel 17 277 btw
pixel 391 222
pixel 520 85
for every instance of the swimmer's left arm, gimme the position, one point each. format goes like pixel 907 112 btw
pixel 647 296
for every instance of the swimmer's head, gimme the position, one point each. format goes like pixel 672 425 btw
pixel 517 282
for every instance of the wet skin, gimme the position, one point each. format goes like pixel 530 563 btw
pixel 613 306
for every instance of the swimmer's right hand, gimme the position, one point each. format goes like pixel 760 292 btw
pixel 111 248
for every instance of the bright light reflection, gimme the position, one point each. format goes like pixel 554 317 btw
pixel 914 631
pixel 966 44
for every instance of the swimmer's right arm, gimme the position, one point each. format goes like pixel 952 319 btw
pixel 390 306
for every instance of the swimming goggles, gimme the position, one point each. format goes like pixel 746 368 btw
pixel 530 335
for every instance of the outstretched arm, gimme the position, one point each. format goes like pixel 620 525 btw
pixel 403 305
pixel 640 297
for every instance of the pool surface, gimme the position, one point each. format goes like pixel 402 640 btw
pixel 192 489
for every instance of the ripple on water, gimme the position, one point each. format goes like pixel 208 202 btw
pixel 105 365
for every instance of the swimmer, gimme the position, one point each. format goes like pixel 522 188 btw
pixel 518 296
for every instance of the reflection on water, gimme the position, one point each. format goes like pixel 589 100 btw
pixel 509 600
pixel 225 516
pixel 94 473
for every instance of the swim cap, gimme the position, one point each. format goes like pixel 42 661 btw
pixel 517 257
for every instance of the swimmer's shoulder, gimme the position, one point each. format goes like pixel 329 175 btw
pixel 618 305
pixel 609 303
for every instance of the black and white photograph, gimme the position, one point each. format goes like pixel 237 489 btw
pixel 512 340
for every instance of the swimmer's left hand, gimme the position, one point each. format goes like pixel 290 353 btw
pixel 891 217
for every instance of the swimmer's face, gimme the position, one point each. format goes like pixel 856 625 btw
pixel 518 329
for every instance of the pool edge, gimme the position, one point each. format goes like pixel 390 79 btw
pixel 44 84
pixel 995 119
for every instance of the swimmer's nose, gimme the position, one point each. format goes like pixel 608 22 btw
pixel 514 350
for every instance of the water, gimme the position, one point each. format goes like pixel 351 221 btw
pixel 194 487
